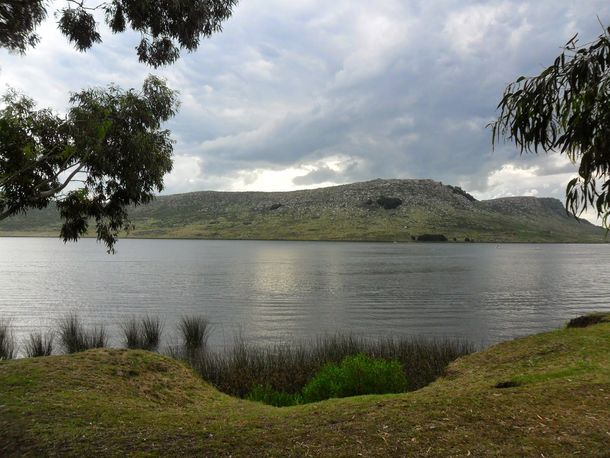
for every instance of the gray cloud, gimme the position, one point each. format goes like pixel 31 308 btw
pixel 384 89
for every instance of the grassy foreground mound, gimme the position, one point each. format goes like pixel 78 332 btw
pixel 544 395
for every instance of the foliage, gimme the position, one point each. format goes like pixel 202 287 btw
pixel 110 149
pixel 267 395
pixel 165 27
pixel 75 338
pixel 356 375
pixel 18 20
pixel 39 344
pixel 566 108
pixel 289 367
pixel 389 203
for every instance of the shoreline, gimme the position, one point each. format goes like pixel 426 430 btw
pixel 448 242
pixel 545 394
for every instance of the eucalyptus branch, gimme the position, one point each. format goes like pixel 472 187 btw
pixel 59 188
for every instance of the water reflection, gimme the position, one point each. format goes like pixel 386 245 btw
pixel 285 290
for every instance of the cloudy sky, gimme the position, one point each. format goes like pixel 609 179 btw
pixel 306 93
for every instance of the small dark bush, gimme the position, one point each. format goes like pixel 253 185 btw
pixel 39 344
pixel 389 203
pixel 8 349
pixel 75 338
pixel 195 331
pixel 588 320
pixel 432 238
pixel 275 206
pixel 354 376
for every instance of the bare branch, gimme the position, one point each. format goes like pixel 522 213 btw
pixel 54 191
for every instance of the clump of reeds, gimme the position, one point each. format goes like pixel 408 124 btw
pixel 194 332
pixel 75 338
pixel 39 344
pixel 144 333
pixel 289 367
pixel 8 348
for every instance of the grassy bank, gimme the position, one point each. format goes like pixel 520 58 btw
pixel 115 402
pixel 284 367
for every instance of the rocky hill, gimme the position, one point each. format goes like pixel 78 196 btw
pixel 390 210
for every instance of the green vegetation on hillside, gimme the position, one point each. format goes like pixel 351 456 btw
pixel 118 402
pixel 379 210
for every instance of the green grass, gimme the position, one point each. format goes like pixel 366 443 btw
pixel 120 402
pixel 353 376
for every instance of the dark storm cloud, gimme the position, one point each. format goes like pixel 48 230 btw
pixel 332 92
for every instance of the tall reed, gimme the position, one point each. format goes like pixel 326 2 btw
pixel 8 348
pixel 288 367
pixel 75 338
pixel 143 333
pixel 39 344
pixel 195 332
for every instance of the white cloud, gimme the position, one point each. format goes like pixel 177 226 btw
pixel 186 174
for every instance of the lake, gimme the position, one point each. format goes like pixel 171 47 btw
pixel 278 291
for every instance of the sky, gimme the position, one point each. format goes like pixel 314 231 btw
pixel 298 94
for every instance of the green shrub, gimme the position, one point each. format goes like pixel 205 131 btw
pixel 268 395
pixel 356 375
pixel 389 203
pixel 287 367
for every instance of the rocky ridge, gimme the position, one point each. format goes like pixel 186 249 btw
pixel 396 209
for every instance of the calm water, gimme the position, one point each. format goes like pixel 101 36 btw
pixel 274 291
